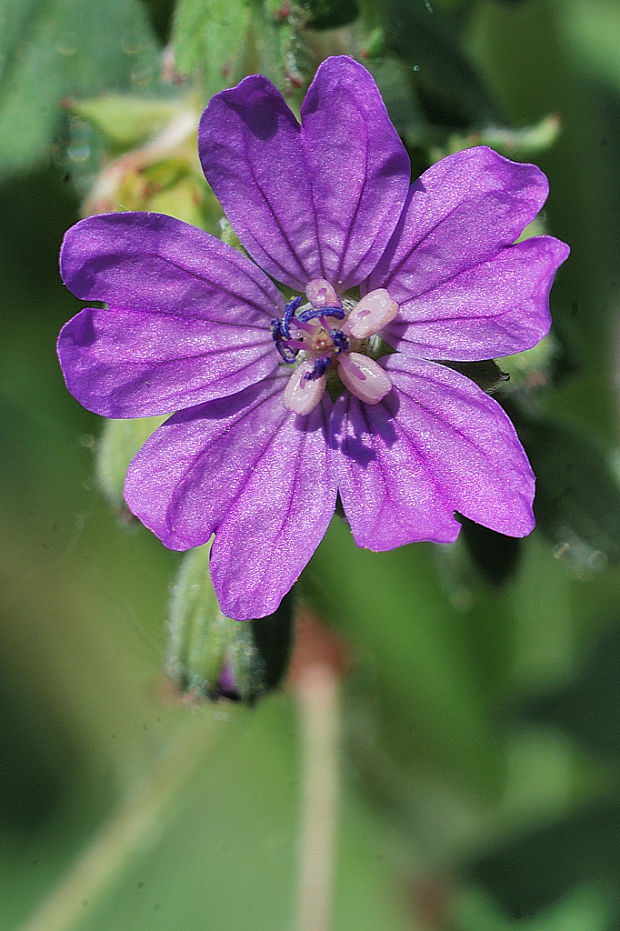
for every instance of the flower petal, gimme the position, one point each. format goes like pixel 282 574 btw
pixel 359 168
pixel 317 202
pixel 493 309
pixel 435 445
pixel 249 471
pixel 151 262
pixel 188 321
pixel 121 363
pixel 388 491
pixel 250 147
pixel 459 214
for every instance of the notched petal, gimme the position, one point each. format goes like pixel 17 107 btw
pixel 388 493
pixel 493 309
pixel 458 214
pixel 249 471
pixel 188 316
pixel 150 262
pixel 121 363
pixel 471 447
pixel 281 184
pixel 434 446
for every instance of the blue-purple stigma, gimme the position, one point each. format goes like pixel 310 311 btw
pixel 287 354
pixel 306 315
pixel 281 331
pixel 289 346
pixel 289 314
pixel 320 367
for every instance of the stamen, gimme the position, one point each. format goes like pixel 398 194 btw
pixel 302 394
pixel 375 310
pixel 364 377
pixel 321 293
pixel 321 344
pixel 287 354
pixel 340 341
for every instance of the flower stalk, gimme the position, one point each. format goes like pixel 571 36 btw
pixel 318 702
pixel 317 666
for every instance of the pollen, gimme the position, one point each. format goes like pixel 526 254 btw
pixel 321 341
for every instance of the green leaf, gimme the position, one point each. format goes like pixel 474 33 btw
pixel 514 143
pixel 393 77
pixel 586 907
pixel 222 41
pixel 495 556
pixel 439 71
pixel 395 608
pixel 53 49
pixel 588 707
pixel 547 863
pixel 329 14
pixel 578 495
pixel 212 36
pixel 592 32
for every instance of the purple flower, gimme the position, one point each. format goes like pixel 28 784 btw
pixel 284 403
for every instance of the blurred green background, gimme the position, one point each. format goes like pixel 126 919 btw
pixel 479 713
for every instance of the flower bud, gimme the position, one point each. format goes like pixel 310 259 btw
pixel 521 143
pixel 125 120
pixel 151 161
pixel 119 442
pixel 211 656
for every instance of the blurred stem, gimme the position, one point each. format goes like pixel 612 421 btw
pixel 126 833
pixel 318 701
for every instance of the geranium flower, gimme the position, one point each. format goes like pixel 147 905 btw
pixel 284 402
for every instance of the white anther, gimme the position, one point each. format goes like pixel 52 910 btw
pixel 320 293
pixel 302 395
pixel 371 314
pixel 363 377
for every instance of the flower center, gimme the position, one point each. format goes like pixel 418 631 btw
pixel 326 334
